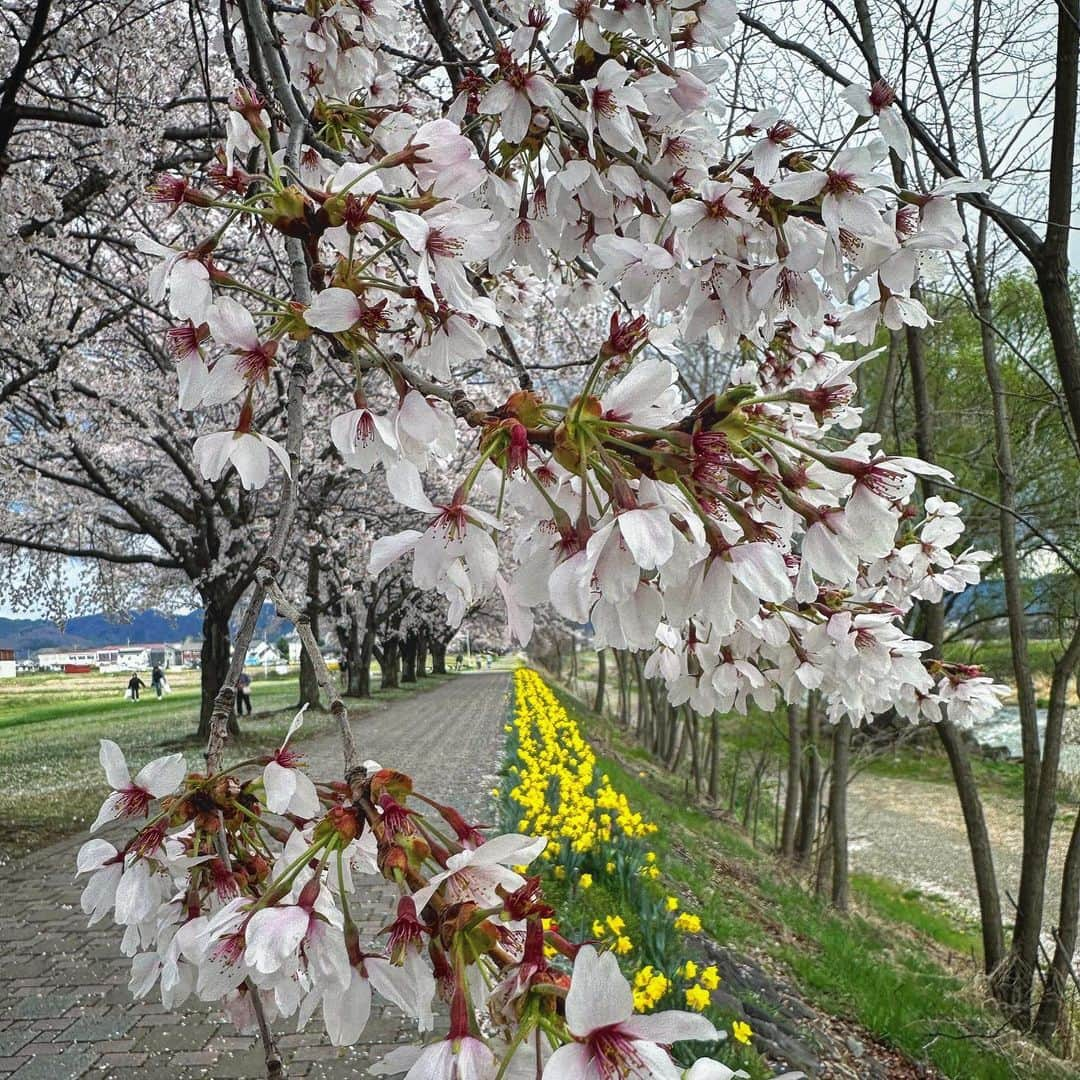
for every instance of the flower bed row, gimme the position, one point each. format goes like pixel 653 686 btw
pixel 598 859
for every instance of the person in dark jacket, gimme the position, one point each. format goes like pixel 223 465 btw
pixel 157 680
pixel 243 694
pixel 135 684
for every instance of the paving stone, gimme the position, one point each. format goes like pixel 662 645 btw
pixel 63 985
pixel 13 1039
pixel 195 1057
pixel 123 1058
pixel 93 1029
pixel 69 1066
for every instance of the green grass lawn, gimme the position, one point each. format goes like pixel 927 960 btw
pixel 901 965
pixel 49 736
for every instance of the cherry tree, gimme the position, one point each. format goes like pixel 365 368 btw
pixel 425 187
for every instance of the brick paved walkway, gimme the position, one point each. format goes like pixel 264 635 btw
pixel 64 1007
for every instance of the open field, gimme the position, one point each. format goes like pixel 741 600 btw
pixel 50 727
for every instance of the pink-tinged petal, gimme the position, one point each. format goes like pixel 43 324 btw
pixel 333 310
pixel 280 785
pixel 388 549
pixel 232 324
pixel 343 431
pixel 599 996
pixel 112 761
pixel 657 1062
pixel 163 775
pixel 273 935
pixel 189 290
pixel 569 1062
pixel 639 388
pixel 411 987
pixel 346 1012
pixel 670 1027
pixel 496 99
pixel 296 724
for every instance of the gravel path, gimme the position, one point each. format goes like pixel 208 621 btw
pixel 913 832
pixel 64 1007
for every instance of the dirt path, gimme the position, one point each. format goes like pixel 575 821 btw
pixel 913 832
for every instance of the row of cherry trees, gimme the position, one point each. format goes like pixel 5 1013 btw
pixel 392 210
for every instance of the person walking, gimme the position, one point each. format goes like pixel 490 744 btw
pixel 243 693
pixel 135 684
pixel 157 680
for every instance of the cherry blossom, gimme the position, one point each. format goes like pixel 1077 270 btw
pixel 608 1036
pixel 132 798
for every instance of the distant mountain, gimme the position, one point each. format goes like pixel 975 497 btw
pixel 30 635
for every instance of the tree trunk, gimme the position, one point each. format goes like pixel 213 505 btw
pixel 714 757
pixel 793 789
pixel 359 641
pixel 408 659
pixel 811 785
pixel 1014 982
pixel 390 663
pixel 838 812
pixel 214 663
pixel 601 676
pixel 309 681
pixel 959 758
pixel 438 657
pixel 1050 1007
pixel 422 646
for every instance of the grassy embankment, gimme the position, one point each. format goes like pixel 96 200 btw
pixel 50 727
pixel 899 966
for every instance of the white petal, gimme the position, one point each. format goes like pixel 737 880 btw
pixel 403 480
pixel 346 1013
pixel 598 994
pixel 672 1026
pixel 93 855
pixel 305 801
pixel 333 310
pixel 112 761
pixel 387 549
pixel 280 783
pixel 232 324
pixel 162 776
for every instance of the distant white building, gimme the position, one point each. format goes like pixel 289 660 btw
pixel 112 658
pixel 7 663
pixel 135 657
pixel 262 653
pixel 59 659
